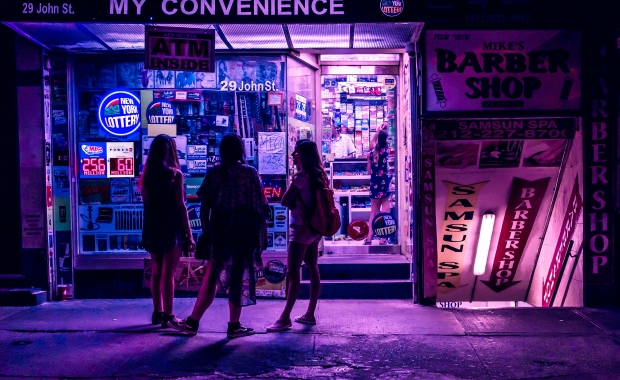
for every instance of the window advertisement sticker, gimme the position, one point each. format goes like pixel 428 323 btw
pixel 120 189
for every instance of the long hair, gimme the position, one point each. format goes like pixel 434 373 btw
pixel 311 161
pixel 232 152
pixel 161 163
pixel 381 143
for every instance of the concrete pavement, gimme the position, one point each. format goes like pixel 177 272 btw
pixel 365 339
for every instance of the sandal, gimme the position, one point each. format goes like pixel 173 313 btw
pixel 383 242
pixel 278 326
pixel 306 320
pixel 367 242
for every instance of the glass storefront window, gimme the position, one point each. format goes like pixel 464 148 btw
pixel 121 107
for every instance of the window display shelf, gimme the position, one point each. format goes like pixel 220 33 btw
pixel 366 177
pixel 352 192
pixel 360 209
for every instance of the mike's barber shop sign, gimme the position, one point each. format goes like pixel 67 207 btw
pixel 502 70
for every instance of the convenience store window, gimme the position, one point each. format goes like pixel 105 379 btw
pixel 358 105
pixel 120 107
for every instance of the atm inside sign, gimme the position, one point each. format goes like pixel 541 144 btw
pixel 180 49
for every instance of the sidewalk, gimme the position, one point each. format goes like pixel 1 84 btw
pixel 387 339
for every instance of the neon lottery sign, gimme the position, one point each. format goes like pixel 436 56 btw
pixel 160 111
pixel 119 113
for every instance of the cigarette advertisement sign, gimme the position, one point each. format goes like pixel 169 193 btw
pixel 502 70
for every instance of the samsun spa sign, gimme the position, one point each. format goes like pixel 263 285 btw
pixel 500 70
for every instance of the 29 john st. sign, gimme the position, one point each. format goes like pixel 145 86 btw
pixel 502 71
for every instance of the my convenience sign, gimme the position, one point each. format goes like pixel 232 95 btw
pixel 502 70
pixel 179 49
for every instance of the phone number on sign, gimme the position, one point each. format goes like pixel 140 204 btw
pixel 505 134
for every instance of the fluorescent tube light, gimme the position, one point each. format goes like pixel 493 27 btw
pixel 484 243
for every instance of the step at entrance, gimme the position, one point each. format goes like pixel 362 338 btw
pixel 22 297
pixel 362 277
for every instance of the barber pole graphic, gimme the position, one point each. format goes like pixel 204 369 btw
pixel 569 225
pixel 455 233
pixel 521 211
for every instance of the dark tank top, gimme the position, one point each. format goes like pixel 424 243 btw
pixel 162 221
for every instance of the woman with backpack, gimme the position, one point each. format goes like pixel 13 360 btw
pixel 300 199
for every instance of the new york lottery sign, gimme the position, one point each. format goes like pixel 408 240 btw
pixel 119 113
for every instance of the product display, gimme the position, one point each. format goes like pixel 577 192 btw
pixel 363 105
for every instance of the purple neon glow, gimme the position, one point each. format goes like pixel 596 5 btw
pixel 320 36
pixel 79 37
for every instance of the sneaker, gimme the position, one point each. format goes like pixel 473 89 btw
pixel 181 326
pixel 239 331
pixel 278 326
pixel 165 318
pixel 157 317
pixel 306 320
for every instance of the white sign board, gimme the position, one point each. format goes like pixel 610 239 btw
pixel 271 153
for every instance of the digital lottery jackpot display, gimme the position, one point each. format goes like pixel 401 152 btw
pixel 107 160
pixel 120 159
pixel 93 160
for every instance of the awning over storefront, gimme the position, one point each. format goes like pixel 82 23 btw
pixel 82 37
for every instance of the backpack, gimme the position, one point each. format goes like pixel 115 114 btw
pixel 325 219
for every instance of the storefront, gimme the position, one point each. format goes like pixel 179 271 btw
pixel 503 171
pixel 483 124
pixel 271 83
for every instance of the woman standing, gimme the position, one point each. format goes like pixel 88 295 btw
pixel 303 242
pixel 166 225
pixel 379 181
pixel 233 212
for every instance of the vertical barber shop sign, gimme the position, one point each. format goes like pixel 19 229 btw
pixel 598 156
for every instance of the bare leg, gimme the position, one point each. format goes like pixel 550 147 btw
pixel 169 267
pixel 385 207
pixel 296 252
pixel 375 207
pixel 235 312
pixel 312 264
pixel 156 263
pixel 206 293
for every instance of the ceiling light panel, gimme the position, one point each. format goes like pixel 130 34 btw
pixel 320 36
pixel 252 36
pixel 119 36
pixel 383 36
pixel 58 36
